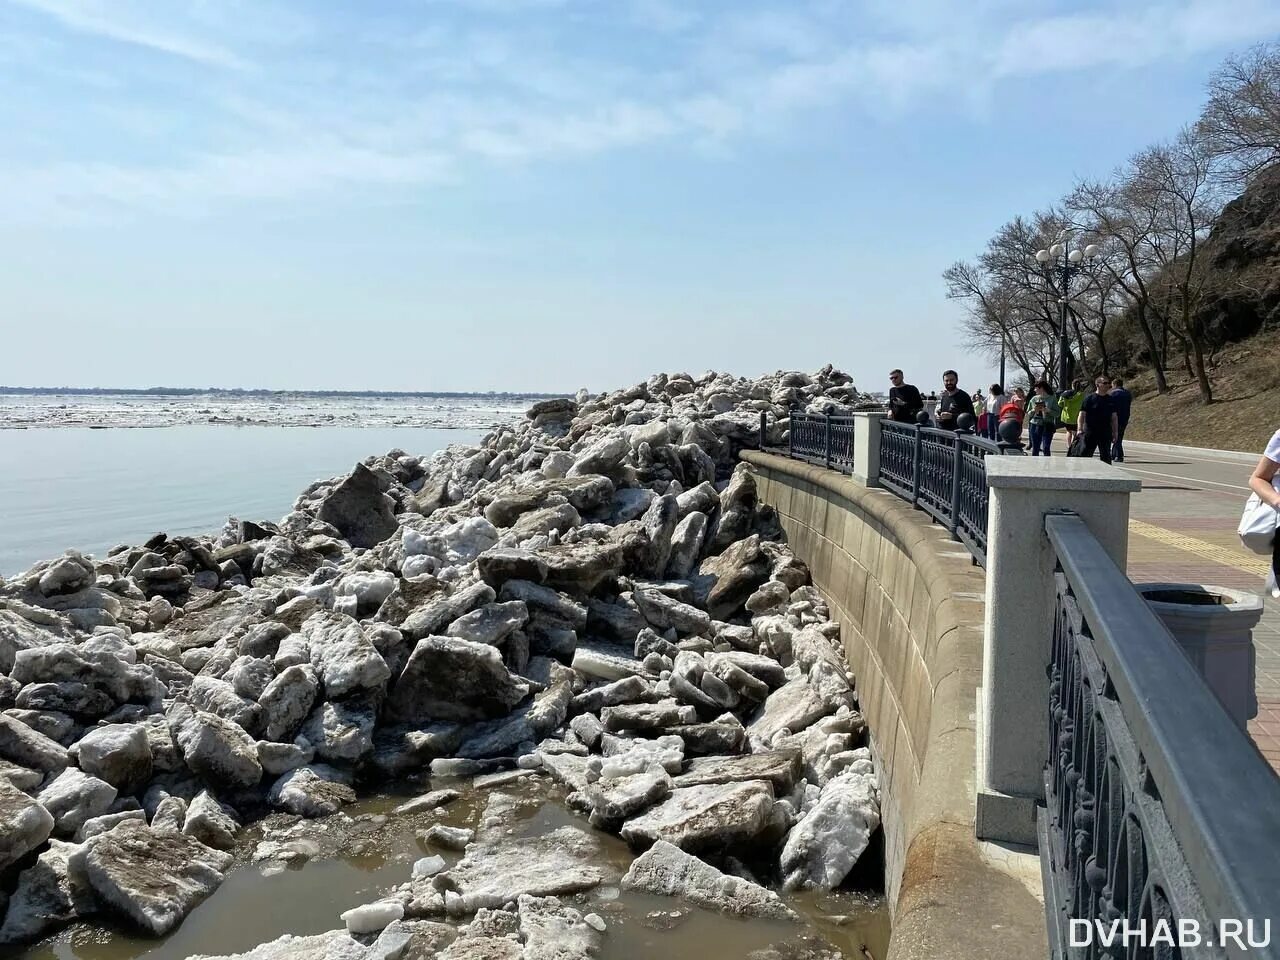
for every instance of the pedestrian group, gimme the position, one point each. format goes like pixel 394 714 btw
pixel 1093 421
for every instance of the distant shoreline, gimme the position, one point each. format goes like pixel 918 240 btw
pixel 247 392
pixel 231 423
pixel 105 410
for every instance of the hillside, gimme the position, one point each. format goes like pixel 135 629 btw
pixel 1240 315
pixel 1242 255
pixel 1244 415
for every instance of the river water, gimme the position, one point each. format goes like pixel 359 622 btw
pixel 86 489
pixel 379 848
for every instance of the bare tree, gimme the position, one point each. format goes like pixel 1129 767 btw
pixel 990 316
pixel 1175 182
pixel 1014 301
pixel 1124 223
pixel 1006 301
pixel 1240 123
pixel 1150 221
pixel 1099 301
pixel 1010 257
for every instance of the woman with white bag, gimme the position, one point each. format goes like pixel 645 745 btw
pixel 1261 513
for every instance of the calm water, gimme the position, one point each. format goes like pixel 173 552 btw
pixel 92 489
pixel 250 908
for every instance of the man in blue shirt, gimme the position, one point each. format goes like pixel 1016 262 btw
pixel 1122 402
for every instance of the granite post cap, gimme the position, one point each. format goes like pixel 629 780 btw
pixel 1057 473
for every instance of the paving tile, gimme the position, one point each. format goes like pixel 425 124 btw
pixel 1212 520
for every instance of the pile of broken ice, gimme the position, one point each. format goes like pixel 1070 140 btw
pixel 594 595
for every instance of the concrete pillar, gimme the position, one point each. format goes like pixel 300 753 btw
pixel 1013 703
pixel 866 447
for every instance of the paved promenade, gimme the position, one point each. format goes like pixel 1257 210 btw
pixel 1182 527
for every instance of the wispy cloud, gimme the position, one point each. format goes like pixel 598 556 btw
pixel 117 22
pixel 664 16
pixel 202 185
pixel 500 6
pixel 1131 36
pixel 345 101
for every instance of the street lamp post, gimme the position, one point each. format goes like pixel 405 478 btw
pixel 1066 263
pixel 1004 345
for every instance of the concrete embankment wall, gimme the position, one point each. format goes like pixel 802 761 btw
pixel 910 604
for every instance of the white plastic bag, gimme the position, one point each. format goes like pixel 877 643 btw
pixel 1258 525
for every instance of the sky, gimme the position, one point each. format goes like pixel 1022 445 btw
pixel 547 194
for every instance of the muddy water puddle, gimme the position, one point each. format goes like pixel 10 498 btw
pixel 359 857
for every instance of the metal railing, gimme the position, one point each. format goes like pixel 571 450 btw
pixel 939 471
pixel 1158 808
pixel 822 438
pixel 942 473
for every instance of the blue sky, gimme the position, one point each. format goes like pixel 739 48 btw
pixel 546 194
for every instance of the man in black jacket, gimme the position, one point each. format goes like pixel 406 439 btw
pixel 904 399
pixel 953 401
pixel 1097 421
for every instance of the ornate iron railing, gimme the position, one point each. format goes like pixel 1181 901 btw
pixel 1157 807
pixel 939 471
pixel 822 438
pixel 899 458
pixel 937 466
pixel 942 473
pixel 972 497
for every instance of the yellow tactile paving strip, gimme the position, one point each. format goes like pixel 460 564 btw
pixel 1165 554
pixel 1239 560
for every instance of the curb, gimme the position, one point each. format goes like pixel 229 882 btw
pixel 1234 456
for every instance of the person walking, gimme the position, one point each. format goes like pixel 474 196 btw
pixel 995 400
pixel 1069 404
pixel 904 399
pixel 1122 399
pixel 952 402
pixel 1043 419
pixel 1265 482
pixel 1020 397
pixel 1097 421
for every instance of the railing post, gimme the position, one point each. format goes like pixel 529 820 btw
pixel 915 465
pixel 826 423
pixel 791 433
pixel 764 430
pixel 957 464
pixel 1019 621
pixel 866 447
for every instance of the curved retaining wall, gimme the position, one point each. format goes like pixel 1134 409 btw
pixel 910 605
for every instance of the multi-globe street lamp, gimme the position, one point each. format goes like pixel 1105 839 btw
pixel 1063 262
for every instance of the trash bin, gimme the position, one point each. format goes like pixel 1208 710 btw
pixel 1214 627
